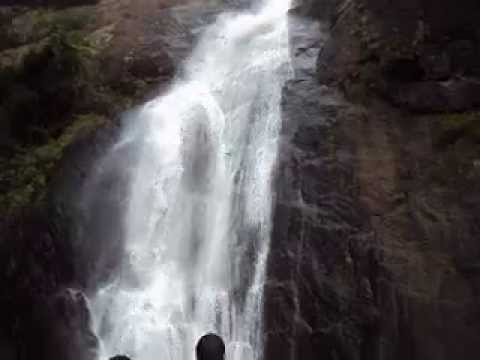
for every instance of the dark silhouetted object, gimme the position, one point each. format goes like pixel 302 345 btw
pixel 210 347
pixel 120 357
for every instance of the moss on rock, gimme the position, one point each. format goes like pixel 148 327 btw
pixel 456 126
pixel 41 84
pixel 24 177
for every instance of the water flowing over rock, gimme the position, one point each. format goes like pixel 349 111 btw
pixel 308 196
pixel 197 222
pixel 376 221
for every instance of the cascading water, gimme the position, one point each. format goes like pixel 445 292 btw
pixel 199 215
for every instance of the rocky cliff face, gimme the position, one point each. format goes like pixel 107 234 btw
pixel 375 251
pixel 68 69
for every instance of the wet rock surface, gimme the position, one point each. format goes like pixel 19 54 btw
pixel 375 245
pixel 377 191
pixel 320 298
pixel 126 52
pixel 421 46
pixel 69 334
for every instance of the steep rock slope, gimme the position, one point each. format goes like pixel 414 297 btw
pixel 375 249
pixel 68 69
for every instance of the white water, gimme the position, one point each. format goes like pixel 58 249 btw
pixel 199 215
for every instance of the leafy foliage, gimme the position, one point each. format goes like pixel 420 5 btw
pixel 24 176
pixel 39 95
pixel 38 102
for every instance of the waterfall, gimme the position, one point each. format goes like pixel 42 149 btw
pixel 198 219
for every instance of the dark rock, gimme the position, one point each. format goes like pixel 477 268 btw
pixel 57 242
pixel 378 44
pixel 404 70
pixel 374 238
pixel 69 326
pixel 320 10
pixel 464 56
pixel 56 3
pixel 436 64
pixel 312 304
pixel 147 67
pixel 306 43
pixel 456 95
pixel 35 260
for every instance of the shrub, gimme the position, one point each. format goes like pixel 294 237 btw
pixel 25 176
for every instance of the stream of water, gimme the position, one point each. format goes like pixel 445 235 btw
pixel 200 201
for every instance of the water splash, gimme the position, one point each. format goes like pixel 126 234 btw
pixel 199 214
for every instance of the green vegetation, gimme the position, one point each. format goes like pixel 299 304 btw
pixel 456 136
pixel 25 176
pixel 40 92
pixel 46 81
pixel 66 33
pixel 456 126
pixel 39 95
pixel 31 27
pixel 73 19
